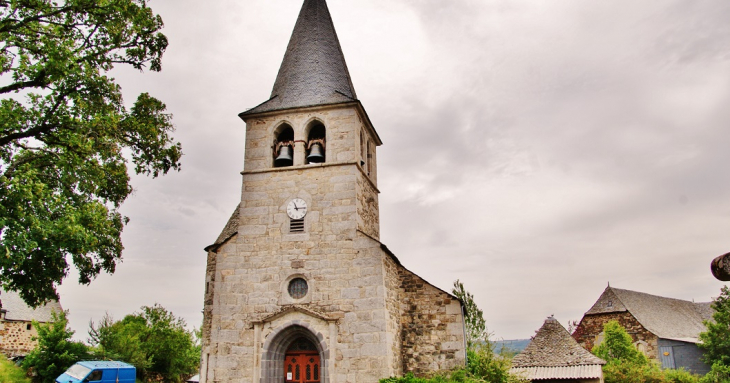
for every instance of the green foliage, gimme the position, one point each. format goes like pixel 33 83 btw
pixel 9 372
pixel 121 340
pixel 719 373
pixel 457 376
pixel 484 364
pixel 623 371
pixel 66 136
pixel 154 341
pixel 56 352
pixel 618 345
pixel 476 328
pixel 680 376
pixel 716 340
pixel 626 364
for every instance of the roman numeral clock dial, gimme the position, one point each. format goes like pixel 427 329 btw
pixel 296 209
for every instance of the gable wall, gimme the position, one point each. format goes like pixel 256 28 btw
pixel 591 326
pixel 15 338
pixel 432 327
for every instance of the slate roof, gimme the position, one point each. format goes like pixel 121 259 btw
pixel 17 310
pixel 553 346
pixel 229 230
pixel 313 71
pixel 667 318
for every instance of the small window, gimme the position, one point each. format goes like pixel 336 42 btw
pixel 610 303
pixel 28 326
pixel 298 288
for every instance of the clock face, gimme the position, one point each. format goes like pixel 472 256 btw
pixel 296 209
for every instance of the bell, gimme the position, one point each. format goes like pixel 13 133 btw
pixel 316 154
pixel 285 157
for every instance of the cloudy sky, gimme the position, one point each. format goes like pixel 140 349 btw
pixel 534 150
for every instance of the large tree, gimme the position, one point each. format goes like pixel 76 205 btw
pixel 66 136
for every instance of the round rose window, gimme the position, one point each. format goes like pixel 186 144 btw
pixel 298 288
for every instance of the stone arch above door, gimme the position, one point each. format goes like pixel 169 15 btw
pixel 276 344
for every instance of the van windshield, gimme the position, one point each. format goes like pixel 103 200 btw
pixel 78 371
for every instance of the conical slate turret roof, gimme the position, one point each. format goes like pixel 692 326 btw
pixel 313 71
pixel 552 347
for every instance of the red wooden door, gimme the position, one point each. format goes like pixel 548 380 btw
pixel 302 367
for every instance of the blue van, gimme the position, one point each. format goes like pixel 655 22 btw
pixel 99 372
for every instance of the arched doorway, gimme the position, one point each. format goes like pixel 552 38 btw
pixel 292 346
pixel 302 362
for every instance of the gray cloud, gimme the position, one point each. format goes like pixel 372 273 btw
pixel 533 150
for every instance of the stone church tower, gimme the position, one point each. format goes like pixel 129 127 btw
pixel 299 288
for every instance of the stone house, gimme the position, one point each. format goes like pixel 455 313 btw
pixel 299 287
pixel 16 328
pixel 553 356
pixel 664 329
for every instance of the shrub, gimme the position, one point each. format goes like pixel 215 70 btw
pixel 619 371
pixel 483 363
pixel 618 345
pixel 720 373
pixel 55 352
pixel 680 376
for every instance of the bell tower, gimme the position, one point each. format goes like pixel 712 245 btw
pixel 313 125
pixel 299 288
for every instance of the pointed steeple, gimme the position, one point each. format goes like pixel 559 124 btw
pixel 313 71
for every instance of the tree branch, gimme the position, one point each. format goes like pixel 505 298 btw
pixel 38 82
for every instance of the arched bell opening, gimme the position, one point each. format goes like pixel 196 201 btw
pixel 316 143
pixel 297 351
pixel 283 148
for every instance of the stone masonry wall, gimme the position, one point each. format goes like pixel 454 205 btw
pixel 394 294
pixel 15 338
pixel 591 326
pixel 342 266
pixel 432 330
pixel 224 249
pixel 368 220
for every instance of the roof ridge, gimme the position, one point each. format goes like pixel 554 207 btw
pixel 657 296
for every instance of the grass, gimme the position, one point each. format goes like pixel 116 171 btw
pixel 10 373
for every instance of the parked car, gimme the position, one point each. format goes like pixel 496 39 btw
pixel 99 372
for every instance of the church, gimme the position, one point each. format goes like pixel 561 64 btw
pixel 298 286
